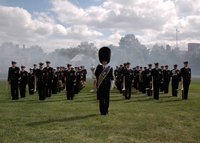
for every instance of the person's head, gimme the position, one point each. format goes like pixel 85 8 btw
pixel 22 68
pixel 13 63
pixel 76 68
pixel 48 63
pixel 166 67
pixel 31 70
pixel 104 63
pixel 117 67
pixel 175 66
pixel 145 68
pixel 58 68
pixel 162 67
pixel 186 63
pixel 35 66
pixel 137 67
pixel 150 66
pixel 156 65
pixel 128 65
pixel 121 66
pixel 141 68
pixel 41 65
pixel 69 66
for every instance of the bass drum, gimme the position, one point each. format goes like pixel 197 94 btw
pixel 82 85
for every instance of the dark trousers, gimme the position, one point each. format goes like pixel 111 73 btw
pixel 22 90
pixel 48 89
pixel 14 91
pixel 144 87
pixel 161 87
pixel 77 88
pixel 42 91
pixel 156 87
pixel 185 92
pixel 166 86
pixel 70 92
pixel 104 97
pixel 128 92
pixel 54 87
pixel 149 91
pixel 120 87
pixel 31 88
pixel 174 88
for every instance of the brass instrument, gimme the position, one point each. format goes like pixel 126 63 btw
pixel 95 82
pixel 35 85
pixel 152 84
pixel 115 82
pixel 7 86
pixel 123 89
pixel 65 85
pixel 81 85
pixel 183 95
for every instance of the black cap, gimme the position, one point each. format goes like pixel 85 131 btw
pixel 128 63
pixel 166 65
pixel 121 65
pixel 31 69
pixel 22 66
pixel 76 67
pixel 186 62
pixel 175 65
pixel 156 63
pixel 162 66
pixel 41 63
pixel 149 64
pixel 58 67
pixel 48 62
pixel 137 66
pixel 145 67
pixel 104 54
pixel 69 65
pixel 125 64
pixel 13 62
pixel 140 67
pixel 81 66
pixel 34 64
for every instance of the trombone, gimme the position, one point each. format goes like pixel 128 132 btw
pixel 123 89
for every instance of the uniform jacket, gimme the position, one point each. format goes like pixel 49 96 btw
pixel 41 77
pixel 70 77
pixel 24 77
pixel 157 75
pixel 186 74
pixel 49 73
pixel 14 75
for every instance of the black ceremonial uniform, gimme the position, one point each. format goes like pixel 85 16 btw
pixel 14 77
pixel 143 88
pixel 166 77
pixel 41 83
pixel 84 74
pixel 23 82
pixel 162 81
pixel 128 82
pixel 156 73
pixel 136 79
pixel 55 81
pixel 116 73
pixel 78 80
pixel 49 71
pixel 186 75
pixel 70 81
pixel 175 81
pixel 148 74
pixel 104 89
pixel 31 83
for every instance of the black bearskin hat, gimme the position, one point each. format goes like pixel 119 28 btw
pixel 104 54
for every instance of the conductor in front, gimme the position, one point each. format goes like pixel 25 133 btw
pixel 104 75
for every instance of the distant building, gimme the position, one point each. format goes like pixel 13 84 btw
pixel 194 47
pixel 168 48
pixel 8 54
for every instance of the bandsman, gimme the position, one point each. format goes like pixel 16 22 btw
pixel 70 76
pixel 55 81
pixel 167 76
pixel 161 85
pixel 14 77
pixel 23 82
pixel 31 81
pixel 175 80
pixel 49 71
pixel 156 74
pixel 42 81
pixel 186 75
pixel 148 74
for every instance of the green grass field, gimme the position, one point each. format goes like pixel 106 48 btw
pixel 140 119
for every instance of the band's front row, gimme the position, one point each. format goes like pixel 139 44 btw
pixel 152 81
pixel 46 80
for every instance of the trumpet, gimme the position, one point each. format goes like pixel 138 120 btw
pixel 152 84
pixel 123 89
pixel 35 85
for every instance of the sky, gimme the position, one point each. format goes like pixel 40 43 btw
pixel 54 24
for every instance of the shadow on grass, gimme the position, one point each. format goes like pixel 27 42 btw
pixel 61 120
pixel 165 101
